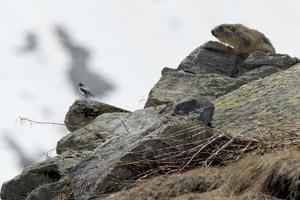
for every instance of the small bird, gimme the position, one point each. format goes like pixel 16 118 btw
pixel 85 91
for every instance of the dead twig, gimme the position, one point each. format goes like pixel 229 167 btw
pixel 24 119
pixel 199 152
pixel 216 153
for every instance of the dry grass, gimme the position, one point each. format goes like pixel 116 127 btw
pixel 167 187
pixel 226 168
pixel 276 175
pixel 260 168
pixel 187 149
pixel 272 176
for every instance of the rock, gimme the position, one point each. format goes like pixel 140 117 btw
pixel 49 191
pixel 110 125
pixel 49 171
pixel 257 59
pixel 103 128
pixel 83 112
pixel 212 57
pixel 201 110
pixel 154 138
pixel 177 85
pixel 260 72
pixel 272 101
pixel 93 134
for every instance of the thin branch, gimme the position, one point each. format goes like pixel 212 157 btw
pixel 216 153
pixel 22 119
pixel 199 152
pixel 242 152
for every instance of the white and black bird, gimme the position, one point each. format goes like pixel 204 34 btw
pixel 85 91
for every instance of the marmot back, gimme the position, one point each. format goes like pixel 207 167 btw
pixel 243 39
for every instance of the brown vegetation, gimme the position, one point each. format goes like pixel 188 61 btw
pixel 272 176
pixel 267 168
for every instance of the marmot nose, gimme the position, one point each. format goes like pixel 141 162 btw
pixel 213 32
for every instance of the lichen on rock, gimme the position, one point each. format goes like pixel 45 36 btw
pixel 273 101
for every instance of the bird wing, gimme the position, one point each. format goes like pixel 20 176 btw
pixel 86 91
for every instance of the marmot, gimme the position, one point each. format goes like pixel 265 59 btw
pixel 243 39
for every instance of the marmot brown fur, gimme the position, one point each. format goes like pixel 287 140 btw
pixel 243 39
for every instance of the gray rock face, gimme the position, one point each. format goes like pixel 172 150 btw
pixel 201 110
pixel 260 72
pixel 257 59
pixel 271 102
pixel 212 57
pixel 154 139
pixel 103 128
pixel 49 171
pixel 83 112
pixel 110 125
pixel 177 85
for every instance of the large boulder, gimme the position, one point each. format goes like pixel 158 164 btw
pixel 259 72
pixel 201 110
pixel 136 143
pixel 257 59
pixel 211 57
pixel 109 125
pixel 47 172
pixel 272 101
pixel 95 159
pixel 89 137
pixel 152 142
pixel 177 85
pixel 206 73
pixel 82 112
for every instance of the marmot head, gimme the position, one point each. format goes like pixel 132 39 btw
pixel 230 34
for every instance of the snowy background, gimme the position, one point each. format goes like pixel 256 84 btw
pixel 46 46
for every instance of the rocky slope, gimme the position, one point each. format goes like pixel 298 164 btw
pixel 211 111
